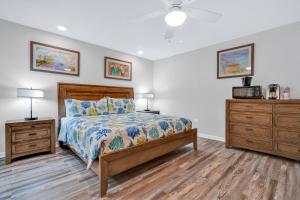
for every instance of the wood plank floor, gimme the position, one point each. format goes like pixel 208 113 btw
pixel 211 172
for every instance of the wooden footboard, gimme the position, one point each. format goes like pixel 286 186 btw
pixel 120 161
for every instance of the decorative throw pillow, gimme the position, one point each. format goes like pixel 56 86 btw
pixel 101 106
pixel 118 106
pixel 77 108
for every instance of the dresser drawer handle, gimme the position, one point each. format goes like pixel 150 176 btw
pixel 32 145
pixel 249 106
pixel 32 134
pixel 249 117
pixel 249 129
pixel 249 141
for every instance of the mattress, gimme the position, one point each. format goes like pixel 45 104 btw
pixel 90 136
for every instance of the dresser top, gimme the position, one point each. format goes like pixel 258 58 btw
pixel 23 121
pixel 276 101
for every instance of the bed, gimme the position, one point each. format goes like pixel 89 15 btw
pixel 107 160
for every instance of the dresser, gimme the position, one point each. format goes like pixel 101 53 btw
pixel 269 126
pixel 29 137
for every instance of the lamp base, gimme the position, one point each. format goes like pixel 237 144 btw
pixel 31 118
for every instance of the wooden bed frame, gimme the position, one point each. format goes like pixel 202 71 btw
pixel 122 160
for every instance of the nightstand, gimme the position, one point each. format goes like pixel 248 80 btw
pixel 150 111
pixel 29 137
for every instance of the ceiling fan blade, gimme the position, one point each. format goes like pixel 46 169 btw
pixel 149 16
pixel 188 2
pixel 166 3
pixel 203 15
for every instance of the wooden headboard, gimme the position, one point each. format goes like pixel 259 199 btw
pixel 88 92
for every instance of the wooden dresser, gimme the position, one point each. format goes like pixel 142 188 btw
pixel 270 126
pixel 29 137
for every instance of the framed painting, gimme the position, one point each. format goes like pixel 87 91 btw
pixel 52 59
pixel 236 62
pixel 117 69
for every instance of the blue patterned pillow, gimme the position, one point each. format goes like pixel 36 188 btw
pixel 119 106
pixel 102 107
pixel 77 108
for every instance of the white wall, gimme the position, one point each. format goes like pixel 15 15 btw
pixel 186 84
pixel 15 72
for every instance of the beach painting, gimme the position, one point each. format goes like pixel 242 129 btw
pixel 236 62
pixel 117 69
pixel 48 58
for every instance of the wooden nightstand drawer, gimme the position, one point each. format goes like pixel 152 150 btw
pixel 31 146
pixel 30 127
pixel 24 135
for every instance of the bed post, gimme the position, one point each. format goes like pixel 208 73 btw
pixel 195 142
pixel 103 176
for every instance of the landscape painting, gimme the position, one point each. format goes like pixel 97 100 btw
pixel 236 62
pixel 47 58
pixel 117 69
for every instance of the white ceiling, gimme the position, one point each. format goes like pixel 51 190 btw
pixel 109 22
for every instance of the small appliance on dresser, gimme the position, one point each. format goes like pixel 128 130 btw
pixel 247 91
pixel 26 137
pixel 269 126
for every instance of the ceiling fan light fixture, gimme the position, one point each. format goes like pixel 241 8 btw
pixel 175 18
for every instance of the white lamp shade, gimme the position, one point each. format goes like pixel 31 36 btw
pixel 30 93
pixel 147 95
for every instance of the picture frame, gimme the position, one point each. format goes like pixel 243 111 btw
pixel 236 62
pixel 117 69
pixel 53 59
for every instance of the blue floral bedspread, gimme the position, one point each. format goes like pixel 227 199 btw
pixel 91 135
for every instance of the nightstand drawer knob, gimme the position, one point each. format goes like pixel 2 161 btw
pixel 32 145
pixel 32 134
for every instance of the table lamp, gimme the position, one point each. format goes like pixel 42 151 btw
pixel 30 93
pixel 147 96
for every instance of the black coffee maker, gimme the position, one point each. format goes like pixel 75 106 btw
pixel 246 81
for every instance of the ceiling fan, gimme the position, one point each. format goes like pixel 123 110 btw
pixel 176 12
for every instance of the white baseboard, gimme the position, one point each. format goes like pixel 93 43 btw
pixel 212 137
pixel 2 154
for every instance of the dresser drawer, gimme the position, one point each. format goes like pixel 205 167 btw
pixel 289 136
pixel 252 144
pixel 291 151
pixel 30 146
pixel 292 121
pixel 251 107
pixel 264 119
pixel 19 136
pixel 283 108
pixel 30 127
pixel 259 133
